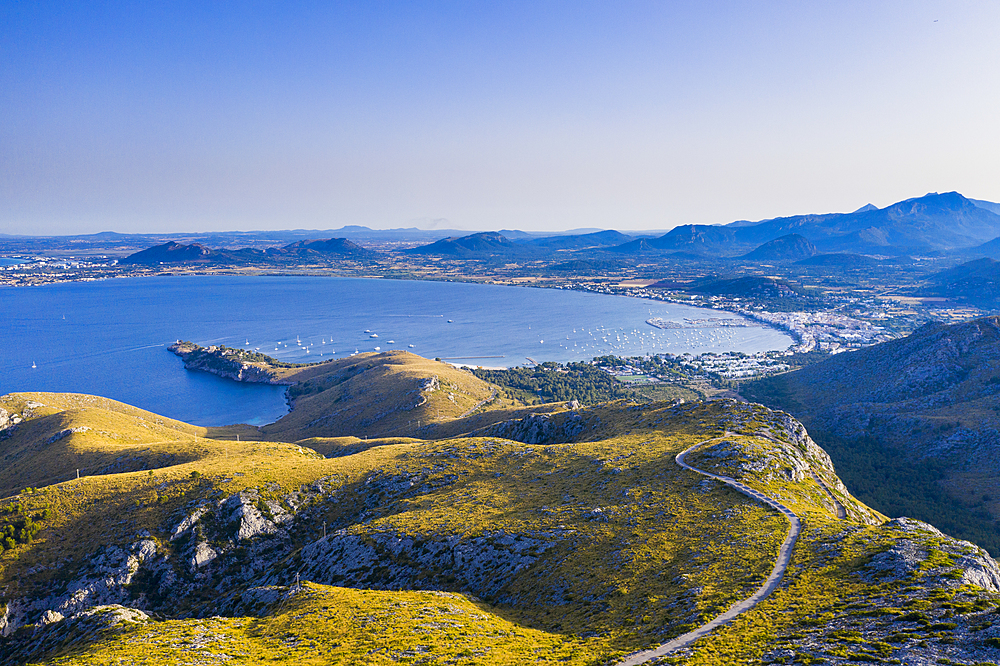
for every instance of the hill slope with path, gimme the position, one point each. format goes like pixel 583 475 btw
pixel 780 566
pixel 588 544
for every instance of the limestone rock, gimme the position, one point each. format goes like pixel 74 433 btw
pixel 909 553
pixel 110 615
pixel 539 428
pixel 482 565
pixel 188 522
pixel 242 508
pixel 50 617
pixel 203 554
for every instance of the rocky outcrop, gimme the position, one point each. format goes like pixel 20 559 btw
pixel 242 509
pixel 538 429
pixel 482 565
pixel 8 419
pixel 189 521
pixel 55 632
pixel 8 422
pixel 103 580
pixel 923 550
pixel 236 364
pixel 203 554
pixel 62 434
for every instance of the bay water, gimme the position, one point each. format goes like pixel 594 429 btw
pixel 110 337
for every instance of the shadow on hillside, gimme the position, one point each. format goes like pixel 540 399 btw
pixel 49 450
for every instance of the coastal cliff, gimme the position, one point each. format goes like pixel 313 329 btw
pixel 237 364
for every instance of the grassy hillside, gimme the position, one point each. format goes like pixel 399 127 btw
pixel 392 393
pixel 65 432
pixel 911 424
pixel 580 548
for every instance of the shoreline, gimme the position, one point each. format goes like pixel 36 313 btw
pixel 305 273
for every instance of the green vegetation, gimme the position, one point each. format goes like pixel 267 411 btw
pixel 584 382
pixel 222 353
pixel 577 551
pixel 554 382
pixel 331 625
pixel 18 526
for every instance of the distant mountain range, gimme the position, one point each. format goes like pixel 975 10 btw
pixel 932 225
pixel 310 251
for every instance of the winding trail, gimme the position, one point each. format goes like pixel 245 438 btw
pixel 784 557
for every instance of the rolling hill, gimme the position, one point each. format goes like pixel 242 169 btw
pixel 581 548
pixel 790 247
pixel 744 287
pixel 597 239
pixel 392 393
pixel 976 282
pixel 485 244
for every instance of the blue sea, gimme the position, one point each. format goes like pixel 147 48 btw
pixel 110 337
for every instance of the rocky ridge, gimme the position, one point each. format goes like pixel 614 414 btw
pixel 243 548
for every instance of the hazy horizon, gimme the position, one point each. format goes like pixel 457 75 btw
pixel 533 116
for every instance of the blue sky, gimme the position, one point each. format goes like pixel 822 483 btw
pixel 179 116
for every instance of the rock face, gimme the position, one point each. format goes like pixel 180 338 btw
pixel 923 548
pixel 188 522
pixel 8 422
pixel 105 581
pixel 538 429
pixel 242 509
pixel 482 565
pixel 203 554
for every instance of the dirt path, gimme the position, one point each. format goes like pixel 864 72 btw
pixel 784 557
pixel 479 404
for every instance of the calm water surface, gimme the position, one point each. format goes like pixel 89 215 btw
pixel 109 338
